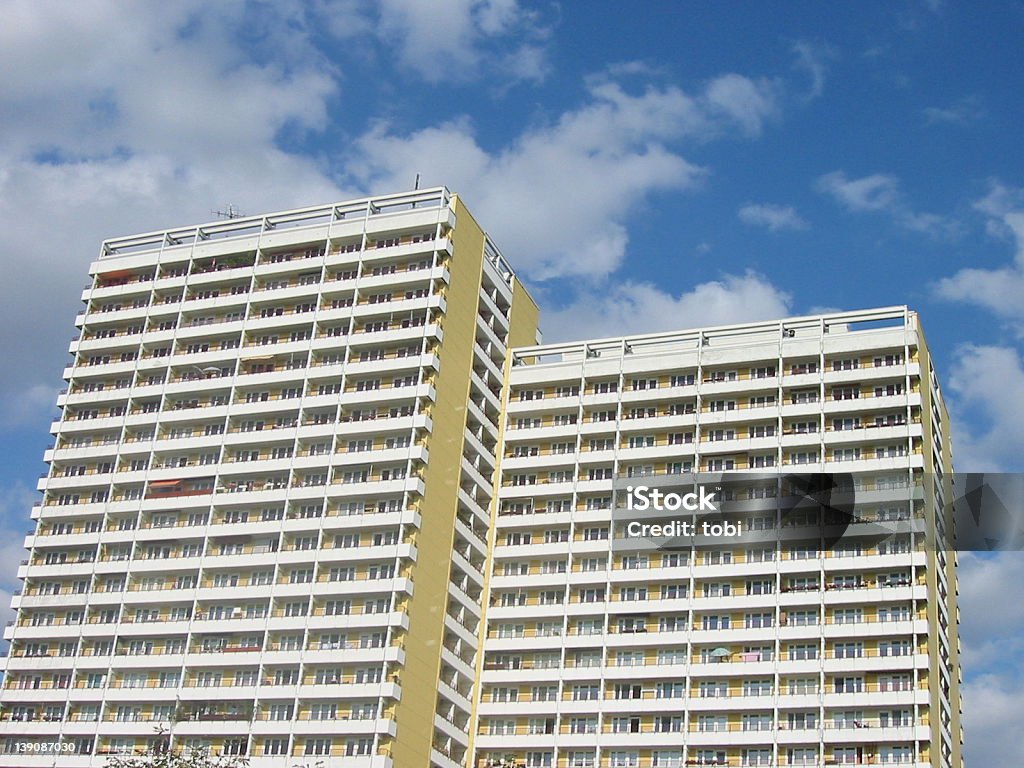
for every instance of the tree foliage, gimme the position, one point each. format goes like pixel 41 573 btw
pixel 187 759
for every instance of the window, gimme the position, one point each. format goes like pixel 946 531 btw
pixel 583 725
pixel 803 396
pixel 719 376
pixel 894 648
pixel 845 393
pixel 545 692
pixel 275 747
pixel 846 454
pixel 716 622
pixel 848 616
pixel 758 620
pixel 803 457
pixel 711 689
pixel 851 650
pixel 803 651
pixel 760 687
pixel 848 684
pixel 669 690
pixel 802 618
pixel 755 756
pixel 318 747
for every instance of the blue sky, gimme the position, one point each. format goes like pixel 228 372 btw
pixel 646 166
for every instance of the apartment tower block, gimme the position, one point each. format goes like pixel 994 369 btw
pixel 316 496
pixel 263 530
pixel 786 653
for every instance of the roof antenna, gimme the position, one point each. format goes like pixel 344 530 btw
pixel 230 211
pixel 416 186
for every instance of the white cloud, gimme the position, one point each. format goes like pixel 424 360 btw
pixel 750 103
pixel 775 218
pixel 15 521
pixel 814 59
pixel 15 508
pixel 998 290
pixel 963 112
pixel 992 631
pixel 122 118
pixel 988 384
pixel 880 193
pixel 869 193
pixel 636 307
pixel 6 612
pixel 98 77
pixel 1000 200
pixel 560 195
pixel 28 406
pixel 993 736
pixel 989 621
pixel 459 40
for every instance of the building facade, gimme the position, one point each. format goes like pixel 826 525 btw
pixel 263 530
pixel 314 497
pixel 784 653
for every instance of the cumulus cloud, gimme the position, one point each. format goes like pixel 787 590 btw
pixel 28 405
pixel 991 629
pixel 999 290
pixel 639 307
pixel 988 619
pixel 750 103
pixel 122 118
pixel 15 505
pixel 988 384
pixel 593 165
pixel 776 218
pixel 100 78
pixel 991 719
pixel 868 193
pixel 880 193
pixel 460 40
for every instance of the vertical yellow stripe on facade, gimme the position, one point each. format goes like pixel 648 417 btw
pixel 415 712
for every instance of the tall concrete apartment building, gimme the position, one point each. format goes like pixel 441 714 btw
pixel 264 526
pixel 315 497
pixel 785 653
